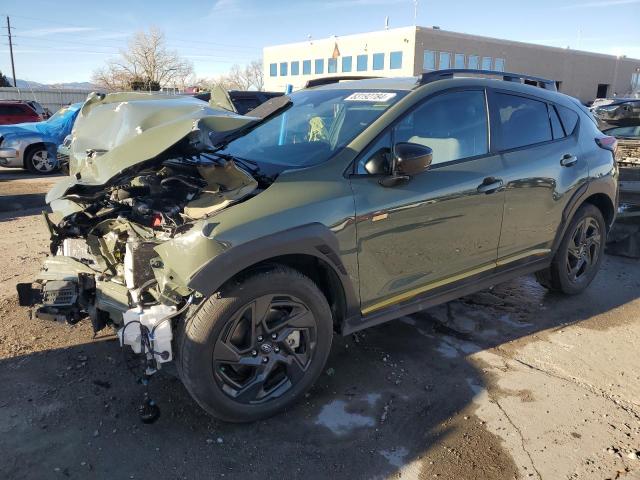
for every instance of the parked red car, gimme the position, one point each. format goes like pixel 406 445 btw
pixel 17 111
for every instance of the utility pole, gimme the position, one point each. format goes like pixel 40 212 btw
pixel 13 67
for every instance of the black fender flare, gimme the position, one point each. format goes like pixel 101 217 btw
pixel 313 239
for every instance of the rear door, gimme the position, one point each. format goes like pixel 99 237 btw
pixel 543 167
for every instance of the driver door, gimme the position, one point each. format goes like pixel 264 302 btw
pixel 441 226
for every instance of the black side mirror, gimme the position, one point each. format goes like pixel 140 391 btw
pixel 410 159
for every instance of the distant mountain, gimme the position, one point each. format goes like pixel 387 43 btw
pixel 54 86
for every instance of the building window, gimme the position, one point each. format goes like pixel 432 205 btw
pixel 473 62
pixel 295 68
pixel 378 61
pixel 273 69
pixel 319 66
pixel 459 60
pixel 306 67
pixel 429 62
pixel 486 63
pixel 395 60
pixel 346 64
pixel 283 69
pixel 332 65
pixel 444 61
pixel 500 64
pixel 361 63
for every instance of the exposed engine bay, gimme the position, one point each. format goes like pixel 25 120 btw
pixel 143 172
pixel 111 237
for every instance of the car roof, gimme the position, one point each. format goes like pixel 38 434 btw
pixel 23 102
pixel 382 83
pixel 413 83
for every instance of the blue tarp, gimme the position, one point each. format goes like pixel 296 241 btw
pixel 52 130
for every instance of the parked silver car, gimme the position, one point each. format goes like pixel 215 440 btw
pixel 33 145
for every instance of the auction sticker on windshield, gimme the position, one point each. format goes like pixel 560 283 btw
pixel 370 97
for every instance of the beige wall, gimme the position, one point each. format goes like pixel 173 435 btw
pixel 579 72
pixel 386 41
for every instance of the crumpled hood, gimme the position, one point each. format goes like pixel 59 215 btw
pixel 120 130
pixel 54 129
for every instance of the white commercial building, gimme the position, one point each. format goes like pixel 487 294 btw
pixel 410 51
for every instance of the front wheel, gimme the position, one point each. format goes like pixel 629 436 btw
pixel 254 348
pixel 579 255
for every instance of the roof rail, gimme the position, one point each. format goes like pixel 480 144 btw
pixel 316 82
pixel 506 76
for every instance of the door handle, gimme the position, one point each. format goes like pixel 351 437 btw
pixel 568 160
pixel 490 185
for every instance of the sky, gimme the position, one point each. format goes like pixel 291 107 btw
pixel 68 42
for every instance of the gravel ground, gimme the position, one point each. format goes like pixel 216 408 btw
pixel 509 383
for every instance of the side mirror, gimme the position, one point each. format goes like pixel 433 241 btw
pixel 410 159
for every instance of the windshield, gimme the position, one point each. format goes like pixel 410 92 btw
pixel 317 125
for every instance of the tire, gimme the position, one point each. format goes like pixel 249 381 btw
pixel 576 262
pixel 40 161
pixel 220 355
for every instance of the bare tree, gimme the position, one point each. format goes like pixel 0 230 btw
pixel 147 64
pixel 249 77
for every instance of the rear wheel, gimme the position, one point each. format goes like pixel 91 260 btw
pixel 579 255
pixel 256 347
pixel 40 160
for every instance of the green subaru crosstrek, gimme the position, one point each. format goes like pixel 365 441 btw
pixel 238 245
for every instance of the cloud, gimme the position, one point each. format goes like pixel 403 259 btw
pixel 599 4
pixel 42 32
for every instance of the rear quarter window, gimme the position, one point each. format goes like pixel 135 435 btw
pixel 569 119
pixel 523 121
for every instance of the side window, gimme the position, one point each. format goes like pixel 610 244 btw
pixel 523 121
pixel 453 125
pixel 377 158
pixel 556 126
pixel 569 119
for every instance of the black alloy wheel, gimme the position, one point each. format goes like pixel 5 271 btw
pixel 257 345
pixel 579 255
pixel 265 349
pixel 583 250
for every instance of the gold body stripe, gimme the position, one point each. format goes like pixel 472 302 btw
pixel 461 276
pixel 381 216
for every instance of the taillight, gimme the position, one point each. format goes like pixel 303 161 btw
pixel 608 143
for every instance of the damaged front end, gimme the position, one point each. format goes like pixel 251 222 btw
pixel 142 174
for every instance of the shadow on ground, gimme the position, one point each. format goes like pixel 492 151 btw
pixel 389 396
